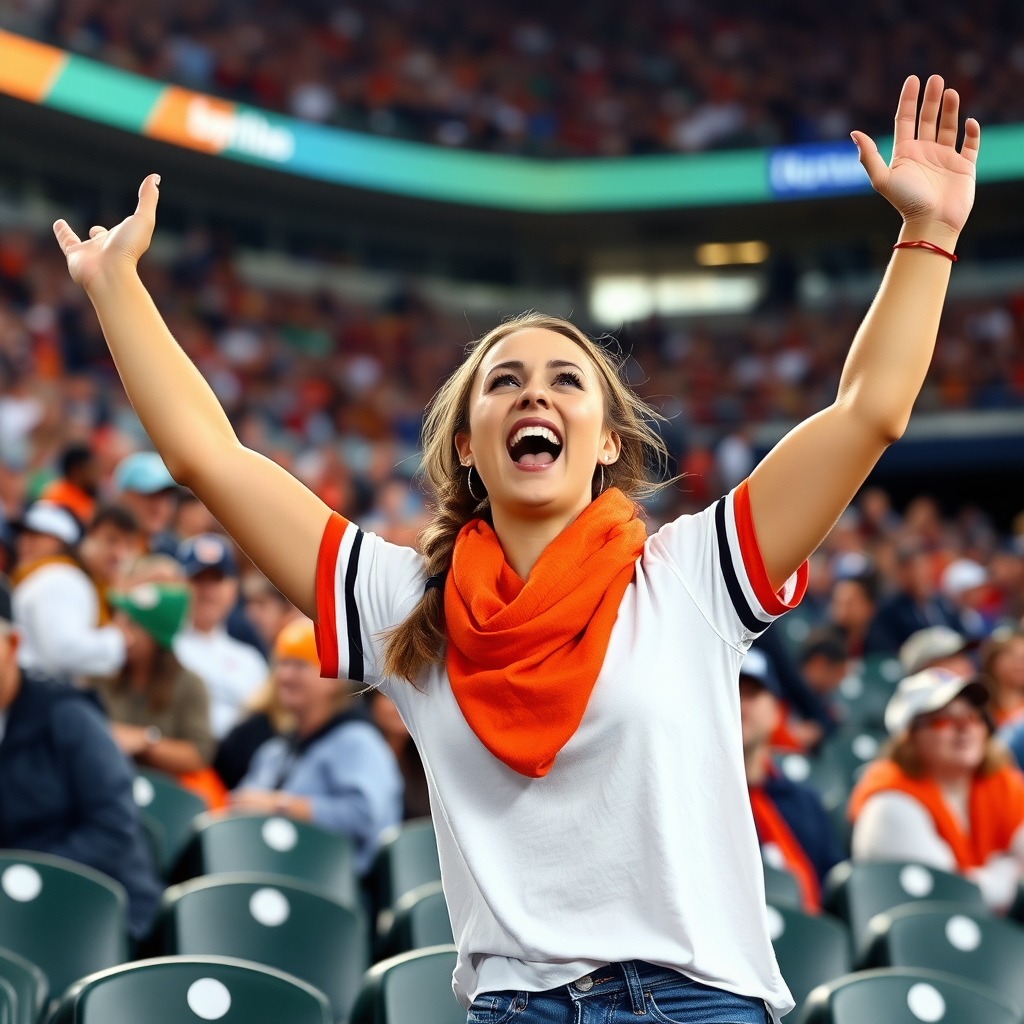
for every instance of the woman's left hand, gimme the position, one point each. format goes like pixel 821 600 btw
pixel 130 739
pixel 927 180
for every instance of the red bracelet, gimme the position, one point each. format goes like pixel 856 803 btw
pixel 930 246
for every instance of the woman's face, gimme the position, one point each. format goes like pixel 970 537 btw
pixel 952 740
pixel 1008 668
pixel 537 425
pixel 300 689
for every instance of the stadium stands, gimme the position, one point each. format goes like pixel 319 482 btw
pixel 31 989
pixel 170 809
pixel 412 987
pixel 421 919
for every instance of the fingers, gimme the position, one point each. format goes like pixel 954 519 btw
pixel 949 118
pixel 149 195
pixel 972 140
pixel 870 158
pixel 906 112
pixel 928 125
pixel 66 238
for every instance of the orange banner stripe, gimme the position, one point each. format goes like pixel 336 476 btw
pixel 191 119
pixel 28 69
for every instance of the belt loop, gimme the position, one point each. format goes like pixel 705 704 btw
pixel 634 987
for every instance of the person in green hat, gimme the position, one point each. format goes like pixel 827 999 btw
pixel 159 711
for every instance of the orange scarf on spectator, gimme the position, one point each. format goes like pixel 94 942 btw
pixel 996 808
pixel 772 828
pixel 523 658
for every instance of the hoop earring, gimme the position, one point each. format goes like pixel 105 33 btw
pixel 469 484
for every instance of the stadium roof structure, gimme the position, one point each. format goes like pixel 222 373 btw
pixel 57 79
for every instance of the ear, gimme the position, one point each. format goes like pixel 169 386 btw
pixel 611 446
pixel 462 446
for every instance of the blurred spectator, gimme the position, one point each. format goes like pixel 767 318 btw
pixel 416 798
pixel 110 543
pixel 61 612
pixel 937 647
pixel 266 607
pixel 852 610
pixel 945 793
pixel 823 665
pixel 1003 672
pixel 792 824
pixel 335 769
pixel 231 670
pixel 192 517
pixel 66 789
pixel 148 491
pixel 964 584
pixel 78 484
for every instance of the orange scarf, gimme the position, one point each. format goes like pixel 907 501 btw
pixel 522 658
pixel 996 808
pixel 772 828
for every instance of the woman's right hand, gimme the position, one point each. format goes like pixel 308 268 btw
pixel 120 246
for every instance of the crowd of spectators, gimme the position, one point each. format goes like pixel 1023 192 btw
pixel 582 80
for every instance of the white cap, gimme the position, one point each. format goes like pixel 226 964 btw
pixel 928 691
pixel 920 649
pixel 962 574
pixel 53 520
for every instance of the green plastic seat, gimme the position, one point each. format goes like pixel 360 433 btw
pixel 272 846
pixel 810 950
pixel 849 750
pixel 882 670
pixel 172 808
pixel 856 892
pixel 414 988
pixel 950 937
pixel 8 1003
pixel 67 919
pixel 904 996
pixel 421 920
pixel 29 983
pixel 407 859
pixel 861 699
pixel 186 990
pixel 780 887
pixel 823 775
pixel 274 921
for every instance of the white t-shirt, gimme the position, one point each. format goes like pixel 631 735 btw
pixel 639 844
pixel 230 669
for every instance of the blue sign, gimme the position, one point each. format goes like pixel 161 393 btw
pixel 819 168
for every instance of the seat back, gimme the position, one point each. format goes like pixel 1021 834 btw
pixel 856 892
pixel 273 846
pixel 900 996
pixel 274 921
pixel 8 1003
pixel 810 950
pixel 414 988
pixel 172 808
pixel 67 919
pixel 29 983
pixel 951 938
pixel 407 859
pixel 421 920
pixel 849 750
pixel 183 990
pixel 780 887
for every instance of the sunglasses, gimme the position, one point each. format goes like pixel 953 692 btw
pixel 947 720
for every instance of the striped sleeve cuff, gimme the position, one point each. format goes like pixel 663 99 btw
pixel 338 630
pixel 746 578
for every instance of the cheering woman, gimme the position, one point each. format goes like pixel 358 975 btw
pixel 570 682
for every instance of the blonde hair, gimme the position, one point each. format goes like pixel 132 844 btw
pixel 903 751
pixel 419 641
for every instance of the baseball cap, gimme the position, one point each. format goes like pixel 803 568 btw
pixel 50 519
pixel 962 574
pixel 928 645
pixel 928 691
pixel 206 551
pixel 757 665
pixel 297 640
pixel 159 608
pixel 143 473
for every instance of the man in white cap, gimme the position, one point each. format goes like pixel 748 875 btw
pixel 944 793
pixel 61 613
pixel 964 583
pixel 937 647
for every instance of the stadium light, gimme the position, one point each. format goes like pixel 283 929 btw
pixel 621 298
pixel 720 254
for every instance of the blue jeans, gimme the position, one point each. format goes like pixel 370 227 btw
pixel 633 992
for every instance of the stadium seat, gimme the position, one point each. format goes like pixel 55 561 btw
pixel 184 990
pixel 172 808
pixel 951 938
pixel 882 670
pixel 274 921
pixel 8 1002
pixel 271 846
pixel 421 920
pixel 861 699
pixel 856 892
pixel 810 950
pixel 67 919
pixel 29 983
pixel 820 774
pixel 407 859
pixel 414 988
pixel 780 887
pixel 848 750
pixel 902 996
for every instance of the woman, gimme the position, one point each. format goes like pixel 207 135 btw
pixel 945 794
pixel 160 713
pixel 571 686
pixel 1003 673
pixel 334 769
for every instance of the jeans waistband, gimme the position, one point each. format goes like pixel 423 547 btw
pixel 617 978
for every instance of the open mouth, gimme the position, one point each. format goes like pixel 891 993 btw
pixel 534 445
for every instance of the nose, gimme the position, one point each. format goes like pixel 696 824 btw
pixel 533 394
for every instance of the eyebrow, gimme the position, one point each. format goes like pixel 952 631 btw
pixel 515 364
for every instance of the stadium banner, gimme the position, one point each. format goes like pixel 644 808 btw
pixel 51 77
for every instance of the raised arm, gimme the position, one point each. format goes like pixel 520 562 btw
pixel 275 519
pixel 801 488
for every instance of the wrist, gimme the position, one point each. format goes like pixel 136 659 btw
pixel 936 232
pixel 111 278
